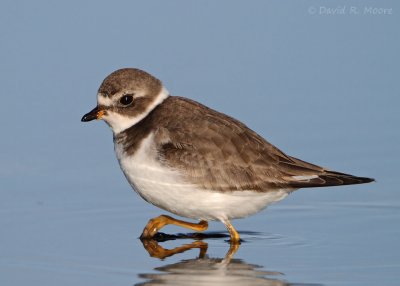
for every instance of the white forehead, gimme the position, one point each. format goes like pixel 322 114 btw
pixel 103 100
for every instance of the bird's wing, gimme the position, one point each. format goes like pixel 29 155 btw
pixel 218 152
pixel 307 175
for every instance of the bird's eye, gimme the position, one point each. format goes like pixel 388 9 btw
pixel 126 99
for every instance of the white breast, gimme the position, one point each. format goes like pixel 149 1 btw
pixel 166 188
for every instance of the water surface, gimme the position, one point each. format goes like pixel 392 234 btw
pixel 323 88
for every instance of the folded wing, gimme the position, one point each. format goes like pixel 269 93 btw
pixel 223 154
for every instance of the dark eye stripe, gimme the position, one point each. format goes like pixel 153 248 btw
pixel 126 99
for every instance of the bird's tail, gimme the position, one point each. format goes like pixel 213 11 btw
pixel 307 175
pixel 326 179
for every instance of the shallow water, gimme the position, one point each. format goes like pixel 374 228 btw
pixel 321 87
pixel 315 243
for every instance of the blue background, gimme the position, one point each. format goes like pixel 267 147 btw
pixel 322 87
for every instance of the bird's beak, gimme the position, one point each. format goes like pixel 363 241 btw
pixel 96 113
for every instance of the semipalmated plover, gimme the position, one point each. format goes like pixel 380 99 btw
pixel 193 161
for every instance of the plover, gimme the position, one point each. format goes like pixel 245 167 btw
pixel 193 161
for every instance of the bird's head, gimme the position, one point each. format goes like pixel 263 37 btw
pixel 125 97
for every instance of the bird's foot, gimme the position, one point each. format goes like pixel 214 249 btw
pixel 155 224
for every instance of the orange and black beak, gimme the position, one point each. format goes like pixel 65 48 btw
pixel 96 113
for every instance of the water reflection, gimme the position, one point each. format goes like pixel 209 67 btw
pixel 203 270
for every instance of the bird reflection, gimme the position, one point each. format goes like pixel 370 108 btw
pixel 204 270
pixel 156 250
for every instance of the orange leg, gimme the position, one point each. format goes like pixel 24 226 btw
pixel 235 237
pixel 155 224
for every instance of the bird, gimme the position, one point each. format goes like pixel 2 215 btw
pixel 196 162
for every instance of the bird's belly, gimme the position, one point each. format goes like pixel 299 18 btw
pixel 211 205
pixel 166 189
